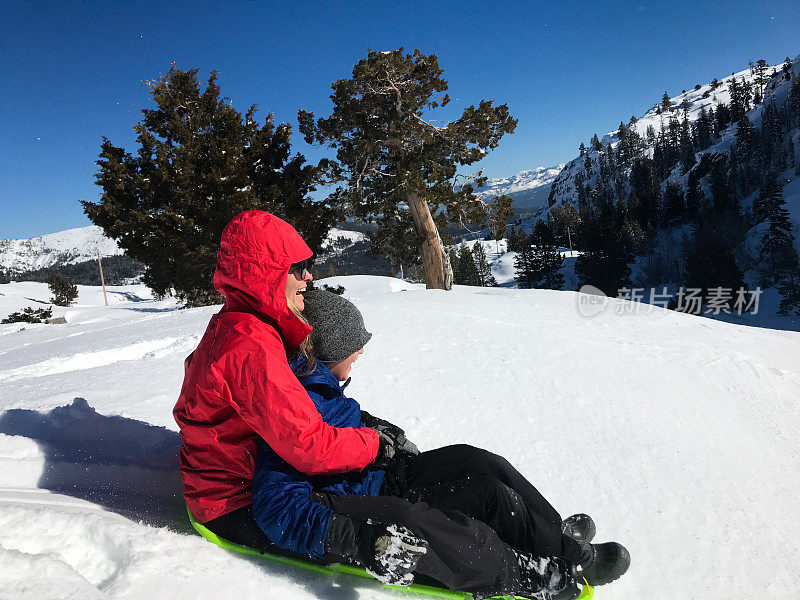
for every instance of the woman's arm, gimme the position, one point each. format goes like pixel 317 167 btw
pixel 269 398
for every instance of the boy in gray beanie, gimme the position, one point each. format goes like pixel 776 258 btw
pixel 339 335
pixel 338 338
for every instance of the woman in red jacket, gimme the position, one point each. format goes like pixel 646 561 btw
pixel 238 388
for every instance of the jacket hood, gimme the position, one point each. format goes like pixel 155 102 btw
pixel 256 250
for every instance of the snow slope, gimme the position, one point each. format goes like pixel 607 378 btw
pixel 679 435
pixel 563 186
pixel 65 247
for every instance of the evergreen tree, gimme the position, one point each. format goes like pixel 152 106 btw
pixel 644 182
pixel 709 263
pixel 467 269
pixel 686 146
pixel 702 130
pixel 673 203
pixel 778 257
pixel 485 277
pixel 596 143
pixel 393 164
pixel 746 142
pixel 546 260
pixel 761 76
pixel 64 293
pixel 787 69
pixel 524 267
pixel 773 159
pixel 722 118
pixel 793 101
pixel 516 239
pixel 582 149
pixel 666 103
pixel 694 194
pixel 497 213
pixel 606 251
pixel 199 163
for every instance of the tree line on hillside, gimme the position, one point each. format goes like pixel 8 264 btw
pixel 637 193
pixel 199 162
pixel 117 270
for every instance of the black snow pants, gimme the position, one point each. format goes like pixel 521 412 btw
pixel 471 506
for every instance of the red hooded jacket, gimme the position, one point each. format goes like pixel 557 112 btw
pixel 238 388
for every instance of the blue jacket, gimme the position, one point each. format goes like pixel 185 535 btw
pixel 281 503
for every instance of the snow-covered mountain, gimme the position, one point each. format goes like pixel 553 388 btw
pixel 81 244
pixel 704 96
pixel 529 188
pixel 679 436
pixel 62 248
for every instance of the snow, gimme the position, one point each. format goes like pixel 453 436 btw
pixel 522 181
pixel 679 435
pixel 65 247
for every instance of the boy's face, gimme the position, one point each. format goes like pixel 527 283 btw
pixel 341 369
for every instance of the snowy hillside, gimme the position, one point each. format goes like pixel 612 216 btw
pixel 680 436
pixel 65 247
pixel 529 189
pixel 81 244
pixel 706 96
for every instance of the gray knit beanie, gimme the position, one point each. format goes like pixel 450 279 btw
pixel 338 325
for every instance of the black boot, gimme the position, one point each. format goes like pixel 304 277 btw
pixel 602 563
pixel 545 578
pixel 579 527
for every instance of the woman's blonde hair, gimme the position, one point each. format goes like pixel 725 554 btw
pixel 306 347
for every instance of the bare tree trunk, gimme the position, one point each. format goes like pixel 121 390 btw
pixel 432 252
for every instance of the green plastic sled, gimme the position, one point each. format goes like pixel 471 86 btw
pixel 332 569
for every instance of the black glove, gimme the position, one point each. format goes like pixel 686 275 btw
pixel 393 432
pixel 386 452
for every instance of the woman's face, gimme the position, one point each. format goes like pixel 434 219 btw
pixel 341 369
pixel 296 283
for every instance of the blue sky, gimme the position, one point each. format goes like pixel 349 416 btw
pixel 72 71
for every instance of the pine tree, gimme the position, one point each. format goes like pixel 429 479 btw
pixel 666 103
pixel 485 277
pixel 702 129
pixel 394 163
pixel 524 267
pixel 546 260
pixel 516 239
pixel 722 118
pixel 644 182
pixel 673 203
pixel 199 163
pixel 467 269
pixel 604 262
pixel 787 68
pixel 497 214
pixel 793 101
pixel 709 263
pixel 64 293
pixel 596 143
pixel 582 149
pixel 694 194
pixel 778 257
pixel 761 76
pixel 771 142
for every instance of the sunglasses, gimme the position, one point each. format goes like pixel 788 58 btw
pixel 300 269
